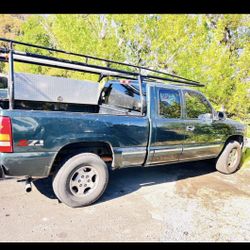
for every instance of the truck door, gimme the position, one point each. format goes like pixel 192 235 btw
pixel 168 129
pixel 203 134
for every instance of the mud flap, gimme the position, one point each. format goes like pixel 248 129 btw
pixel 2 176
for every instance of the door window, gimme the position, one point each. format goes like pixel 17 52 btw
pixel 169 103
pixel 197 107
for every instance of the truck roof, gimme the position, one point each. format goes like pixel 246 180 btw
pixel 151 83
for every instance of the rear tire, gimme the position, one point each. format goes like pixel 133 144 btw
pixel 81 180
pixel 229 161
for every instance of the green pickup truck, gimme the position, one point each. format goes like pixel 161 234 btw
pixel 133 123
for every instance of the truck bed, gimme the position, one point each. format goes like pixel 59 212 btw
pixel 49 132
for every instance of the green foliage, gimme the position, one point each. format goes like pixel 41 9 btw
pixel 213 49
pixel 246 158
pixel 195 106
pixel 10 25
pixel 170 106
pixel 9 28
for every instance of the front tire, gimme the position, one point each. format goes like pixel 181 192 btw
pixel 81 180
pixel 229 161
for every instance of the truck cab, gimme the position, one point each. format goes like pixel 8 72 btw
pixel 183 124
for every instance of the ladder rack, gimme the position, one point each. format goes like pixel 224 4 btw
pixel 10 55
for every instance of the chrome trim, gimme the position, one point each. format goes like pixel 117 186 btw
pixel 202 147
pixel 198 157
pixel 167 150
pixel 134 152
pixel 131 150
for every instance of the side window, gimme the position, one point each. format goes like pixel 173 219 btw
pixel 197 106
pixel 169 103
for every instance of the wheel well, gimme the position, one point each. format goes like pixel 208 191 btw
pixel 238 138
pixel 102 149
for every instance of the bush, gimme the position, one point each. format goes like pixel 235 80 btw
pixel 246 158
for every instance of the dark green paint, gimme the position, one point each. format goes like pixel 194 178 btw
pixel 135 141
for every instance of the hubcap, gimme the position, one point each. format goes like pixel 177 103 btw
pixel 83 181
pixel 232 158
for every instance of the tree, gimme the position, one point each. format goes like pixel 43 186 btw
pixel 10 28
pixel 213 49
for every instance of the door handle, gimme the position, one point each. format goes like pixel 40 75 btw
pixel 190 128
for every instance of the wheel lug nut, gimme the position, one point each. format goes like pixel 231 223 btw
pixel 82 176
pixel 80 185
pixel 79 180
pixel 85 185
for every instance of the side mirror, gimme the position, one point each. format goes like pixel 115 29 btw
pixel 221 115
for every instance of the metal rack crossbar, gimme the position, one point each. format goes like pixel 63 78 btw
pixel 9 55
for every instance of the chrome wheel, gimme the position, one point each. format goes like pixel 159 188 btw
pixel 232 157
pixel 83 181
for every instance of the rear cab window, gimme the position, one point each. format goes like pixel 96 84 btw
pixel 124 96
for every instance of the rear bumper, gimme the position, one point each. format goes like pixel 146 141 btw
pixel 27 164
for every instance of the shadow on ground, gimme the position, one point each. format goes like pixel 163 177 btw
pixel 128 180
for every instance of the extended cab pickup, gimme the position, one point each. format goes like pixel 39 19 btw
pixel 79 146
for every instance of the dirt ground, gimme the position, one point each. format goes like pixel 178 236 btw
pixel 185 202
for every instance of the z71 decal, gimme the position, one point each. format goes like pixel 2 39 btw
pixel 28 143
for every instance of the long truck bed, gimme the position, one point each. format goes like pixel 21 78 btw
pixel 39 136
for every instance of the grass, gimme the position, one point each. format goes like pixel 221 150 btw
pixel 248 131
pixel 246 158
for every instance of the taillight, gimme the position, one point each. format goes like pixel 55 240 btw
pixel 5 135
